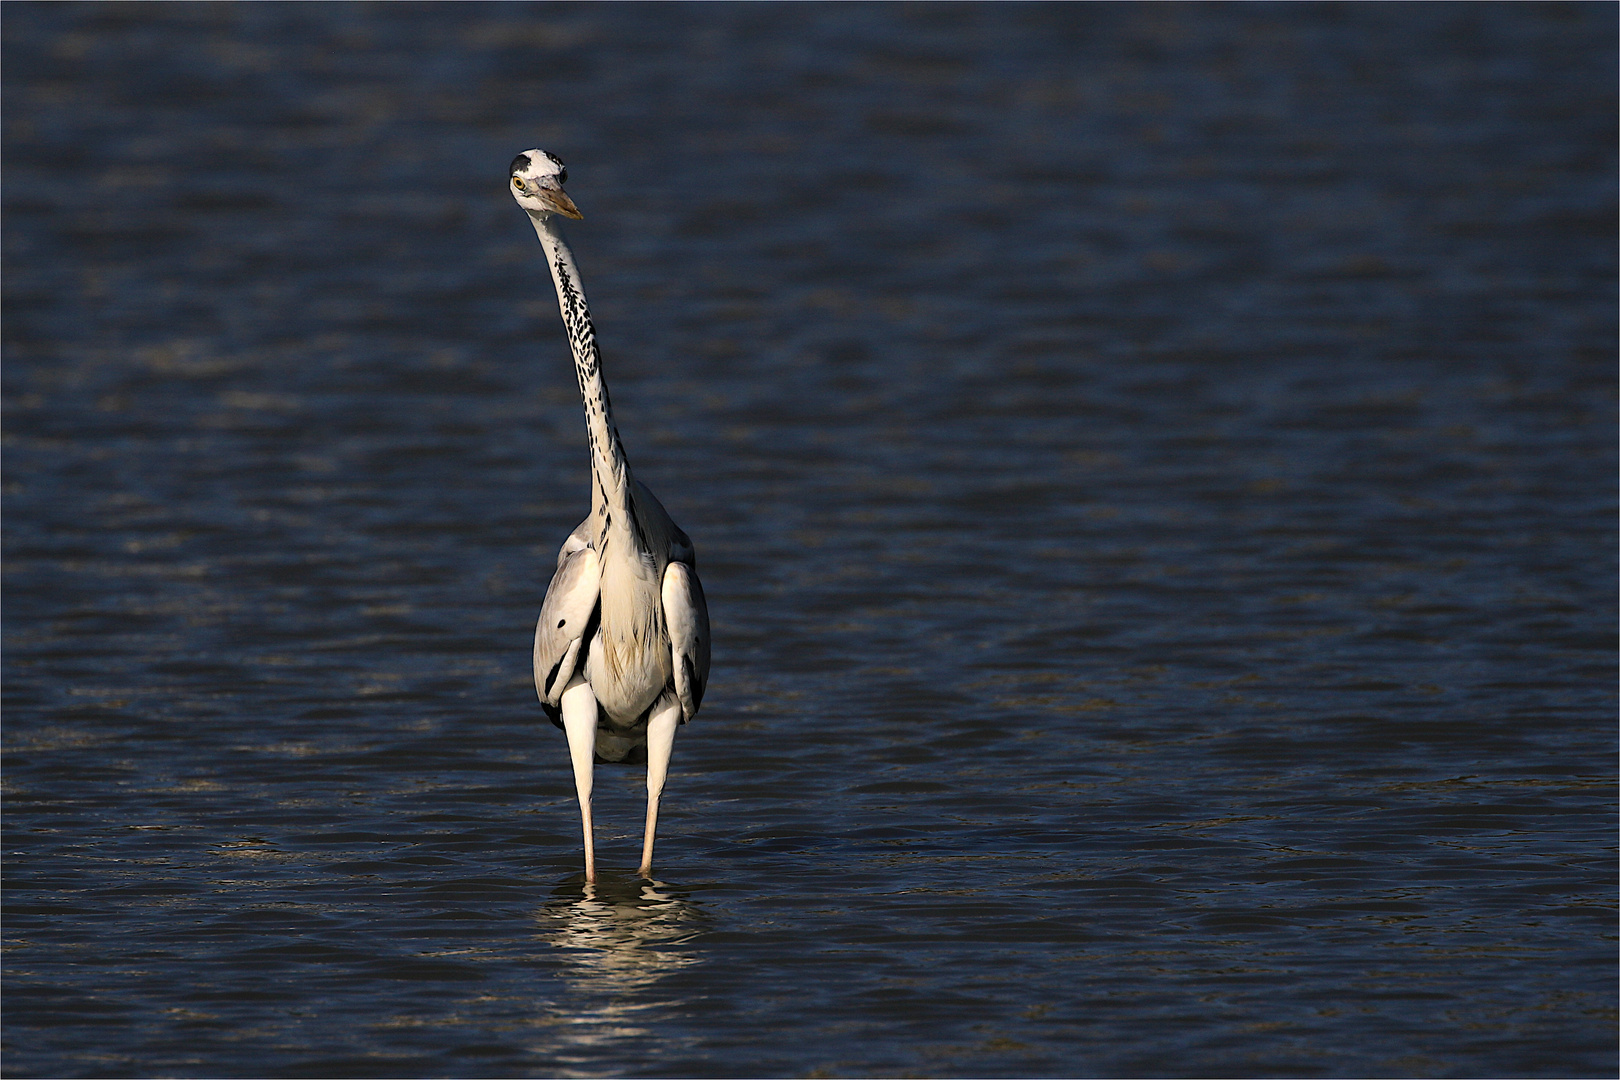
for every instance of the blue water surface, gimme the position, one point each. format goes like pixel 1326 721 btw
pixel 1152 469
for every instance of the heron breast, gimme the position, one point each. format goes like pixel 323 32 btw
pixel 627 672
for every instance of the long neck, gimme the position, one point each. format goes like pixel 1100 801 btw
pixel 610 470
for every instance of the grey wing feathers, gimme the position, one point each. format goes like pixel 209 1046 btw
pixel 565 615
pixel 686 614
pixel 578 540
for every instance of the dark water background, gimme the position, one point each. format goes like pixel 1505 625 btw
pixel 1152 468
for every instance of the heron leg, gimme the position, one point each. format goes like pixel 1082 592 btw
pixel 579 722
pixel 660 743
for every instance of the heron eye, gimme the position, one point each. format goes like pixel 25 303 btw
pixel 562 176
pixel 517 182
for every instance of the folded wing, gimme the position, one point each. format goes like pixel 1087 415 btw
pixel 566 616
pixel 686 614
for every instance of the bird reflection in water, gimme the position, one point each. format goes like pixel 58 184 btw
pixel 624 936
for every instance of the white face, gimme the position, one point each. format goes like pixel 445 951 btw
pixel 537 182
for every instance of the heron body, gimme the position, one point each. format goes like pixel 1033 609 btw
pixel 621 649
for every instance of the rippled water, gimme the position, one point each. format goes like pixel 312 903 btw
pixel 1152 469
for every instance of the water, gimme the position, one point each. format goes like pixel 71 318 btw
pixel 1152 471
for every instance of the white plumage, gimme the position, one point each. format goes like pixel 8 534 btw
pixel 621 650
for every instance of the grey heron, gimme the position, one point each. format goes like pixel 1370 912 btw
pixel 621 651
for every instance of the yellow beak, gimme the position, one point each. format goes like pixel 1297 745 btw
pixel 557 199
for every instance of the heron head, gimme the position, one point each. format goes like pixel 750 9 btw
pixel 537 184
